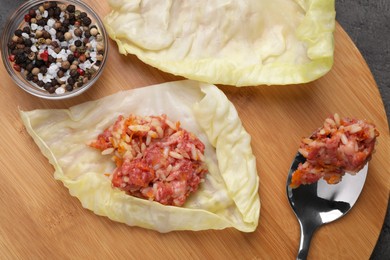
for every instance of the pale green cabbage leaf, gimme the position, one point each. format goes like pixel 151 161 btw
pixel 233 42
pixel 228 197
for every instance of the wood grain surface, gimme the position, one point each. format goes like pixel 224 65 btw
pixel 39 219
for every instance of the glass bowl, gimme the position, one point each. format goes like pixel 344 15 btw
pixel 40 87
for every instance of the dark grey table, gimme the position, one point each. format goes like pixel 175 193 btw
pixel 368 24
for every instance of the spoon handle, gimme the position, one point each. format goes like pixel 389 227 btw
pixel 307 231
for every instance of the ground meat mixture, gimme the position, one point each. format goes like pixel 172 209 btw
pixel 339 146
pixel 155 158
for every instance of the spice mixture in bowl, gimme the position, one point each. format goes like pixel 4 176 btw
pixel 54 49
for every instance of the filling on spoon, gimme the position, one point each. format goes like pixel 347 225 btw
pixel 339 146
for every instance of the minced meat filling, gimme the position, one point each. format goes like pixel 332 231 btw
pixel 155 158
pixel 339 146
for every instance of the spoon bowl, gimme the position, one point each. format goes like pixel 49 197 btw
pixel 320 203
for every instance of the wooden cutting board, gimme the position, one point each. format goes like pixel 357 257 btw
pixel 39 219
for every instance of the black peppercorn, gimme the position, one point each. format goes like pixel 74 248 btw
pixel 51 59
pixel 54 82
pixel 19 51
pixel 30 66
pixel 27 50
pixel 35 79
pixel 28 42
pixel 65 23
pixel 47 86
pixel 41 22
pixel 73 73
pixel 60 36
pixel 87 34
pixel 72 16
pixel 51 90
pixel 18 33
pixel 78 43
pixel 70 8
pixel 11 45
pixel 70 58
pixel 27 30
pixel 57 12
pixel 43 69
pixel 54 44
pixel 40 83
pixel 83 14
pixel 30 76
pixel 69 87
pixel 60 73
pixel 86 21
pixel 24 65
pixel 20 40
pixel 62 29
pixel 20 58
pixel 50 12
pixel 39 63
pixel 46 34
pixel 71 81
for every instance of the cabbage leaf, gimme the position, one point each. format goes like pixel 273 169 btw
pixel 228 197
pixel 232 42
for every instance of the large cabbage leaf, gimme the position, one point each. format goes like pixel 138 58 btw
pixel 228 197
pixel 233 42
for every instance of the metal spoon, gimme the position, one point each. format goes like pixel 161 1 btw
pixel 320 203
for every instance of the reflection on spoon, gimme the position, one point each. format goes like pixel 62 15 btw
pixel 320 203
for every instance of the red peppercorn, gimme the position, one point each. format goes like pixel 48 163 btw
pixel 44 55
pixel 76 54
pixel 27 18
pixel 80 71
pixel 11 58
pixel 17 67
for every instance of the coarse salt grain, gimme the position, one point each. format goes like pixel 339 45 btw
pixel 34 26
pixel 45 14
pixel 52 53
pixel 40 76
pixel 50 22
pixel 65 78
pixel 60 90
pixel 25 35
pixel 34 48
pixel 52 31
pixel 93 44
pixel 52 70
pixel 46 27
